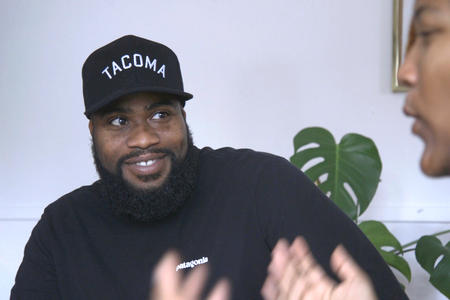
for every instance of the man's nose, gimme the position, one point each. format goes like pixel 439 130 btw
pixel 142 136
pixel 407 74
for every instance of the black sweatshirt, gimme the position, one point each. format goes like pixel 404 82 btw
pixel 243 203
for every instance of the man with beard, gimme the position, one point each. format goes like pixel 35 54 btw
pixel 222 208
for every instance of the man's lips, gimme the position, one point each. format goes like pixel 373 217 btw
pixel 144 158
pixel 416 127
pixel 421 129
pixel 410 111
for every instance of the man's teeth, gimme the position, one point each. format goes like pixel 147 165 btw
pixel 145 163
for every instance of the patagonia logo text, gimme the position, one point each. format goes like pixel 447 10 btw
pixel 191 264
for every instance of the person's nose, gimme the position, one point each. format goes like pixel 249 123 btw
pixel 407 73
pixel 143 136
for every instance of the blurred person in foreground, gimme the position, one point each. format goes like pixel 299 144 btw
pixel 293 272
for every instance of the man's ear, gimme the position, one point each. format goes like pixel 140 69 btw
pixel 91 127
pixel 183 112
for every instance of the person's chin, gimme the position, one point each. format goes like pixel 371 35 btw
pixel 431 164
pixel 146 184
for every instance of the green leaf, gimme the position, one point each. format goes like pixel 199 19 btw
pixel 428 250
pixel 381 237
pixel 397 262
pixel 355 161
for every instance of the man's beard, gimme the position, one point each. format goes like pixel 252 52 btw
pixel 148 205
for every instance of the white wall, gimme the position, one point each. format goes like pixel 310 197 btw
pixel 259 70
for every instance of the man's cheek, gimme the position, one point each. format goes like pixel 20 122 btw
pixel 109 163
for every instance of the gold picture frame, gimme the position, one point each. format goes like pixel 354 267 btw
pixel 397 46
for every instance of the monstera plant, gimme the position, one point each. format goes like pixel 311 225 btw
pixel 349 173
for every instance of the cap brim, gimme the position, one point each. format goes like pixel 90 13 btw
pixel 113 97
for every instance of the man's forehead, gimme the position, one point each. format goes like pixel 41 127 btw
pixel 148 97
pixel 140 101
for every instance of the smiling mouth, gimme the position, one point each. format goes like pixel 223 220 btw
pixel 145 160
pixel 146 167
pixel 145 163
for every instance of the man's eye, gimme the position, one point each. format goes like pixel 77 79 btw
pixel 160 115
pixel 119 121
pixel 426 35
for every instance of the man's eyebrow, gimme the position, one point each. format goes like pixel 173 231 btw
pixel 123 109
pixel 113 109
pixel 165 102
pixel 421 10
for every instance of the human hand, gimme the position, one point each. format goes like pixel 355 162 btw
pixel 294 274
pixel 169 284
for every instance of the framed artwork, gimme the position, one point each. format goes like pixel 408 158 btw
pixel 402 16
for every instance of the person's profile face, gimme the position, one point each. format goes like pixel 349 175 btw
pixel 138 136
pixel 426 70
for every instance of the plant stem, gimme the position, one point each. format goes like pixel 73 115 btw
pixel 357 213
pixel 415 242
pixel 404 251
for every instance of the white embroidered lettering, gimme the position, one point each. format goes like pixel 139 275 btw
pixel 191 264
pixel 162 70
pixel 150 64
pixel 137 63
pixel 115 68
pixel 125 66
pixel 107 73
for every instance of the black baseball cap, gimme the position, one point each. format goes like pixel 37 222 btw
pixel 127 65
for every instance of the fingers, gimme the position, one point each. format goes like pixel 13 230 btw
pixel 355 279
pixel 307 266
pixel 280 259
pixel 344 265
pixel 288 279
pixel 269 290
pixel 221 291
pixel 294 273
pixel 192 286
pixel 276 270
pixel 314 284
pixel 299 247
pixel 311 281
pixel 165 278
